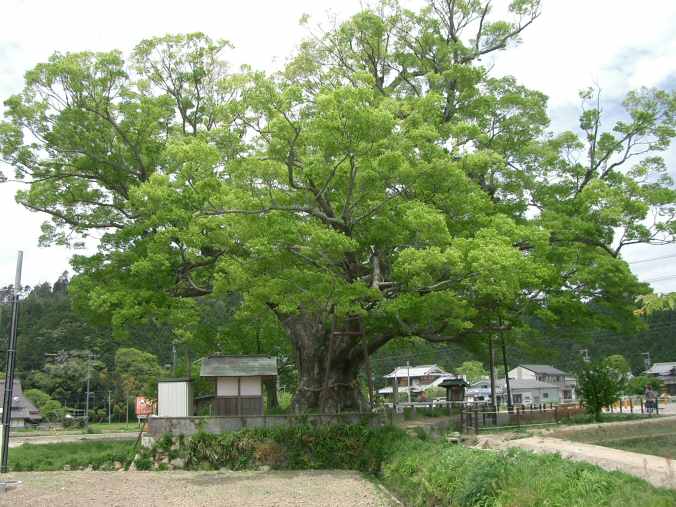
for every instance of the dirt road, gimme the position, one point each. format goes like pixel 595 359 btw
pixel 275 488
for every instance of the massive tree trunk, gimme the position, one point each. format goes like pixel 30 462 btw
pixel 328 366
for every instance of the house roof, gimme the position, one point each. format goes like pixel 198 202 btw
pixel 416 371
pixel 525 384
pixel 545 369
pixel 22 407
pixel 661 368
pixel 238 366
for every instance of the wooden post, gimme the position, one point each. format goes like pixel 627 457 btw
pixel 631 405
pixel 641 405
pixel 621 400
pixel 556 414
pixel 476 420
pixel 518 416
pixel 462 428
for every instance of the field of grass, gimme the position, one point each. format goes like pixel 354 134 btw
pixel 100 454
pixel 116 427
pixel 611 433
pixel 664 445
pixel 657 437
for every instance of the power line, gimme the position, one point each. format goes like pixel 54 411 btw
pixel 659 279
pixel 641 261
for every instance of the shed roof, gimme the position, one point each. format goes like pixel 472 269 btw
pixel 238 366
pixel 450 382
pixel 545 369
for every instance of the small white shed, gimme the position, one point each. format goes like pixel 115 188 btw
pixel 174 398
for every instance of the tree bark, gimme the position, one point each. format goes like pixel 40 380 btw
pixel 327 369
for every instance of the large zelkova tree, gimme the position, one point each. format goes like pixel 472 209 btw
pixel 383 185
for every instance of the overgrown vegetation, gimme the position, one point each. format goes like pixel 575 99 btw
pixel 99 454
pixel 432 473
pixel 420 471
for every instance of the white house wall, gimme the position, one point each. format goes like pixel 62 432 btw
pixel 250 386
pixel 227 386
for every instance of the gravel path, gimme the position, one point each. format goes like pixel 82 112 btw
pixel 274 488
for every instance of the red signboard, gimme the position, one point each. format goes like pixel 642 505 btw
pixel 144 407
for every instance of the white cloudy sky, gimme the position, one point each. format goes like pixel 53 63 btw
pixel 616 44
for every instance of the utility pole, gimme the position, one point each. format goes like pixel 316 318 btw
pixel 408 380
pixel 173 358
pixel 11 363
pixel 646 360
pixel 89 360
pixel 504 362
pixel 491 365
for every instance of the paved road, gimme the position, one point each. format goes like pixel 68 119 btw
pixel 275 488
pixel 654 469
pixel 55 439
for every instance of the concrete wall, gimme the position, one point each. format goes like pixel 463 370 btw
pixel 158 426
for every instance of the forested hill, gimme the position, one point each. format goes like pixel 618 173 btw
pixel 48 325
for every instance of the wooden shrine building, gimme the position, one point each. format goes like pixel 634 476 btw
pixel 239 382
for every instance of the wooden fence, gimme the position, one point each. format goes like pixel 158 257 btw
pixel 473 417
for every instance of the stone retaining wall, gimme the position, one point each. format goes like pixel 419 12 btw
pixel 157 426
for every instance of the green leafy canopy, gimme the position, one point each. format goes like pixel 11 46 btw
pixel 383 175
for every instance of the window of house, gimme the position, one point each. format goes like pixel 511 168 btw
pixel 517 398
pixel 567 394
pixel 545 395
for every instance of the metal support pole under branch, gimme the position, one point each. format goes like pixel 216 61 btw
pixel 11 363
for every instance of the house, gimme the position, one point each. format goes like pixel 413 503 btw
pixel 480 390
pixel 421 380
pixel 548 375
pixel 666 373
pixel 23 411
pixel 528 391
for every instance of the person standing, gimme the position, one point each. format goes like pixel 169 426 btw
pixel 650 399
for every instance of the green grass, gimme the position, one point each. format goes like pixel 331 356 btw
pixel 426 473
pixel 116 427
pixel 608 433
pixel 100 454
pixel 664 446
